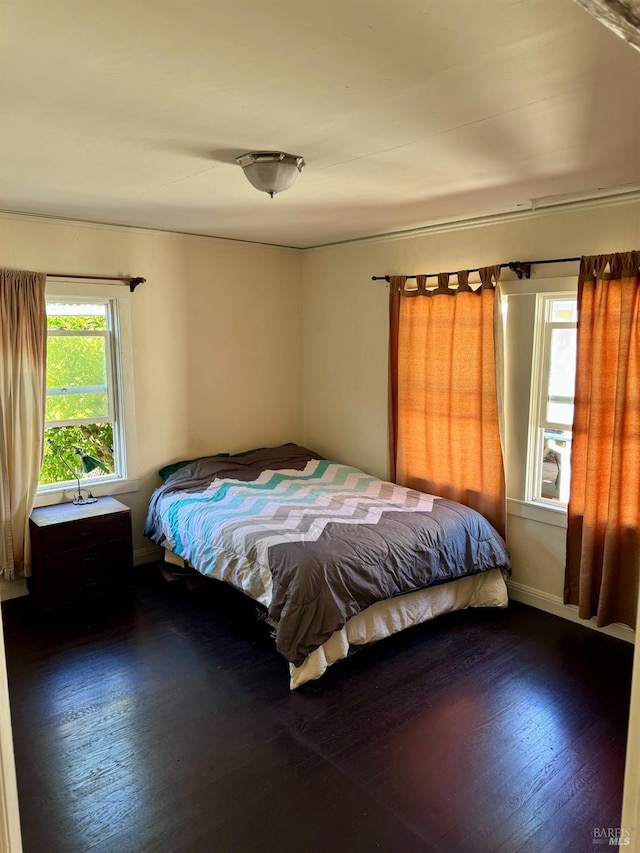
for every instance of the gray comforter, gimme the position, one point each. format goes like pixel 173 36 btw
pixel 313 541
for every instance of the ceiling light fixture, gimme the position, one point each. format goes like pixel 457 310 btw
pixel 271 171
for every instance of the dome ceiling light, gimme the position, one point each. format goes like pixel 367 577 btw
pixel 271 171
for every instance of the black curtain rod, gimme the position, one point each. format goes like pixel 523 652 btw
pixel 521 268
pixel 133 282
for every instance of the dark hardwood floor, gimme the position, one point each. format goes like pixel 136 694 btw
pixel 166 724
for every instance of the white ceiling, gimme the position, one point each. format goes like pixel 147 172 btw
pixel 407 112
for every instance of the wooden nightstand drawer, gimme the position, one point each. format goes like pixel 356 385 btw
pixel 85 532
pixel 85 573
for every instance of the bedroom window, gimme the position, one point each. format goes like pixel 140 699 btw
pixel 86 400
pixel 552 399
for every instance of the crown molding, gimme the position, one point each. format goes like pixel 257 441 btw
pixel 537 209
pixel 47 219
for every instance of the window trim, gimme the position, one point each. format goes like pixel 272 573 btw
pixel 519 336
pixel 120 371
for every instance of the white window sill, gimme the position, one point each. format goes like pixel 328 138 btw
pixel 98 490
pixel 554 515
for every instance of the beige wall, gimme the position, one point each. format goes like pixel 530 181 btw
pixel 217 336
pixel 345 339
pixel 244 352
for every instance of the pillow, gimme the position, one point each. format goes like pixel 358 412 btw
pixel 168 470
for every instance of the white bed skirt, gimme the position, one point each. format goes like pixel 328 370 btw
pixel 395 614
pixel 385 618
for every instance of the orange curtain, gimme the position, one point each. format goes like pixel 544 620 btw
pixel 603 535
pixel 444 426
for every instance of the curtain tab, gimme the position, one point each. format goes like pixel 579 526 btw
pixel 397 283
pixel 489 275
pixel 421 281
pixel 463 281
pixel 630 264
pixel 587 267
pixel 601 264
pixel 615 265
pixel 443 282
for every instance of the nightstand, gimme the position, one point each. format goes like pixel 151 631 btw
pixel 79 552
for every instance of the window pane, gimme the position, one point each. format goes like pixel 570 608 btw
pixel 559 413
pixel 65 407
pixel 75 316
pixel 59 443
pixel 562 376
pixel 556 465
pixel 76 377
pixel 76 361
pixel 564 311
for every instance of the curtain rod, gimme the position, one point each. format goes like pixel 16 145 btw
pixel 521 268
pixel 133 282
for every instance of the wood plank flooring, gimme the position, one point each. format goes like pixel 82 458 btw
pixel 166 724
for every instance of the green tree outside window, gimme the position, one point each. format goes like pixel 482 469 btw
pixel 76 361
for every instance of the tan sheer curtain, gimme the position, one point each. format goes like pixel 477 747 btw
pixel 444 424
pixel 603 535
pixel 23 343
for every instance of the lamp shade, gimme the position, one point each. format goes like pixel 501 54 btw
pixel 271 171
pixel 90 463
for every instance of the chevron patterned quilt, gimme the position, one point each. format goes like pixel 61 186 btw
pixel 315 542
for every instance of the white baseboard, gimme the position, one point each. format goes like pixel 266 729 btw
pixel 12 589
pixel 147 555
pixel 554 604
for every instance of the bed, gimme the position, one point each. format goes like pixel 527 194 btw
pixel 337 558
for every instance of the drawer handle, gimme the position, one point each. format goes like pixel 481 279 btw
pixel 87 533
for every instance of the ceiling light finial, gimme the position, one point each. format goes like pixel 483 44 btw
pixel 271 171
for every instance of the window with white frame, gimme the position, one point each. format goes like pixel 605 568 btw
pixel 553 401
pixel 85 397
pixel 541 337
